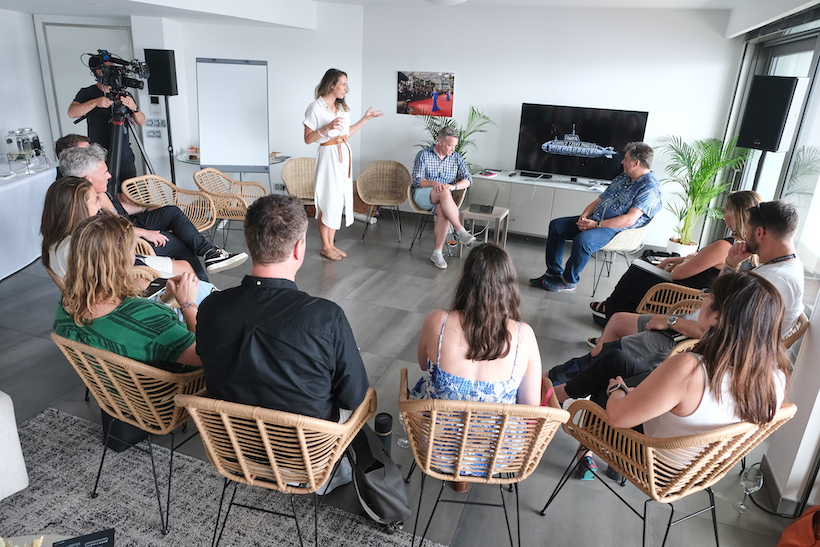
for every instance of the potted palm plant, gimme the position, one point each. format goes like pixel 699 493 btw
pixel 697 168
pixel 477 122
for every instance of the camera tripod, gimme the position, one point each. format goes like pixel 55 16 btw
pixel 121 117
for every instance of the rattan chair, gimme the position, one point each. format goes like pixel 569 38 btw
pixel 298 174
pixel 384 183
pixel 624 242
pixel 231 197
pixel 272 449
pixel 485 443
pixel 424 215
pixel 797 331
pixel 665 469
pixel 661 297
pixel 151 190
pixel 137 394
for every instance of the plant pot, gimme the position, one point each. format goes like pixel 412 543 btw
pixel 684 250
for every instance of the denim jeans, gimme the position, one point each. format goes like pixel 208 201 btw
pixel 583 245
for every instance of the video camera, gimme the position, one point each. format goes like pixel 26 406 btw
pixel 117 77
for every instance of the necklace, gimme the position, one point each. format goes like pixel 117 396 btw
pixel 781 258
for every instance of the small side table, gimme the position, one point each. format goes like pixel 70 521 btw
pixel 497 216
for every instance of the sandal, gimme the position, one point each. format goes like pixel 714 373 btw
pixel 598 309
pixel 586 468
pixel 592 342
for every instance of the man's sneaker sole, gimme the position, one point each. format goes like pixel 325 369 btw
pixel 227 264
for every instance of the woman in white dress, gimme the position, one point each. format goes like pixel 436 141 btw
pixel 327 121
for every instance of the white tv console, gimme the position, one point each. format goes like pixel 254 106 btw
pixel 534 202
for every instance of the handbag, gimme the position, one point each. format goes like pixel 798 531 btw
pixel 378 481
pixel 802 532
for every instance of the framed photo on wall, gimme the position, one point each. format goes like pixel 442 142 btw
pixel 425 93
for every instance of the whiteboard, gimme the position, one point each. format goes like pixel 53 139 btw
pixel 232 101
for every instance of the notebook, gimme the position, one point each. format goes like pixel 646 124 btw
pixel 485 209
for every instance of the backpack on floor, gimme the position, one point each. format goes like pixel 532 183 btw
pixel 378 481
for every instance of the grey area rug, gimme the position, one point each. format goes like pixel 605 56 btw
pixel 62 454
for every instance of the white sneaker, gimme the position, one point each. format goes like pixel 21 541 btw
pixel 438 260
pixel 465 237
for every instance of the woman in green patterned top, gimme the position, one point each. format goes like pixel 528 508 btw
pixel 100 307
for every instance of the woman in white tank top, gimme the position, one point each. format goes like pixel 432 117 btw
pixel 737 372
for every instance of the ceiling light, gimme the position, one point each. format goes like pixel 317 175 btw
pixel 446 2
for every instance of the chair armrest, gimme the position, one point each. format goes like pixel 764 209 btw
pixel 197 206
pixel 685 306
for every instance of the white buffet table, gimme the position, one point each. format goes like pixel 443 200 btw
pixel 21 206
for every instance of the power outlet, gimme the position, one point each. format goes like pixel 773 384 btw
pixel 279 187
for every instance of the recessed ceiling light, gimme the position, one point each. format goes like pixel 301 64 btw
pixel 446 2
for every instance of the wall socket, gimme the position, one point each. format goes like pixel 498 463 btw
pixel 279 187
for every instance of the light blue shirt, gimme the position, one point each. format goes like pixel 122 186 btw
pixel 447 171
pixel 623 194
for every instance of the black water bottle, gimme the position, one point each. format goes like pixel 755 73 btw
pixel 384 429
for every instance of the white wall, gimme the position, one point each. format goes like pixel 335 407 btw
pixel 22 95
pixel 674 64
pixel 297 59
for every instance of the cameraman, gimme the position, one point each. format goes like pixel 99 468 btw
pixel 95 103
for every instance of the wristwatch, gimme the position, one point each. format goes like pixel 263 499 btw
pixel 671 320
pixel 616 387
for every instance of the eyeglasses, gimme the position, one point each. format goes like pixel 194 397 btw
pixel 704 293
pixel 757 216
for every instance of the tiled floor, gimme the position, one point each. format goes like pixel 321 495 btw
pixel 386 292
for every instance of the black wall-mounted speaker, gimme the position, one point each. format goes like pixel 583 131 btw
pixel 163 68
pixel 770 118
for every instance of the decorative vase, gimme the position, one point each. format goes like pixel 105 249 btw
pixel 684 250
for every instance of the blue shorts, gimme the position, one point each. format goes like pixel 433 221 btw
pixel 422 198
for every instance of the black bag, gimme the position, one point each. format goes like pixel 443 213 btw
pixel 378 481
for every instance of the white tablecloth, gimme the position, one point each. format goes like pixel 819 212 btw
pixel 21 208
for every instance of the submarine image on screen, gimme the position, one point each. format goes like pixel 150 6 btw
pixel 572 145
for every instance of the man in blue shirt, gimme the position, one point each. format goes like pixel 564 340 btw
pixel 633 198
pixel 438 172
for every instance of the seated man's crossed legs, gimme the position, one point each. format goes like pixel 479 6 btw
pixel 447 214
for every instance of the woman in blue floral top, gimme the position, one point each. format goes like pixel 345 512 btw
pixel 480 350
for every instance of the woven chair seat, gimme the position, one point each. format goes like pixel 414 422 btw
pixel 231 197
pixel 130 391
pixel 297 175
pixel 270 448
pixel 151 190
pixel 629 240
pixel 667 469
pixel 661 297
pixel 383 183
pixel 488 443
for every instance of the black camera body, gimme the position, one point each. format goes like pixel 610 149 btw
pixel 120 74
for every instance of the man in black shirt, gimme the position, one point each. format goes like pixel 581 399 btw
pixel 94 102
pixel 268 344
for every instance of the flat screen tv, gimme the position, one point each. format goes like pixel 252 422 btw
pixel 575 141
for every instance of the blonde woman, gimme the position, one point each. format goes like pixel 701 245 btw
pixel 100 307
pixel 327 121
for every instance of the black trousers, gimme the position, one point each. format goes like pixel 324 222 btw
pixel 594 380
pixel 184 240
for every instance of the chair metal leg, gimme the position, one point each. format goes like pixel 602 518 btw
pixel 216 539
pixel 432 514
pixel 102 460
pixel 410 473
pixel 418 509
pixel 563 480
pixel 87 395
pixel 507 517
pixel 296 518
pixel 367 222
pixel 422 220
pixel 396 214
